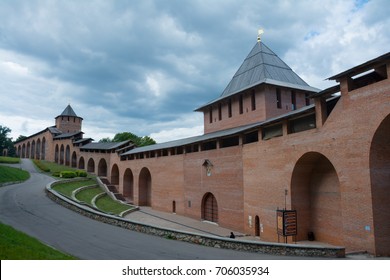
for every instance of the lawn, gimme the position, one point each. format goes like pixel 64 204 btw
pixel 106 204
pixel 55 168
pixel 11 174
pixel 16 245
pixel 88 194
pixel 67 188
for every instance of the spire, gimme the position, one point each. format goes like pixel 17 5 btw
pixel 68 112
pixel 262 65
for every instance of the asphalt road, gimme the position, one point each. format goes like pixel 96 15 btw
pixel 26 207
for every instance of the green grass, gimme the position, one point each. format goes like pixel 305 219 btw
pixel 67 188
pixel 87 195
pixel 11 160
pixel 57 168
pixel 11 174
pixel 16 245
pixel 106 204
pixel 54 167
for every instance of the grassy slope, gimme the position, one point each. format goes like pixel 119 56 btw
pixel 11 174
pixel 68 187
pixel 15 245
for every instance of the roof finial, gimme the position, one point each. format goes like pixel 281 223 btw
pixel 259 33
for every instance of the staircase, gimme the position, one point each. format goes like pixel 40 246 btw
pixel 112 189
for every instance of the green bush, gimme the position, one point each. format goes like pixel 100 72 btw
pixel 81 173
pixel 9 160
pixel 56 174
pixel 68 174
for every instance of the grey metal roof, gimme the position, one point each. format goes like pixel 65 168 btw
pixel 105 145
pixel 362 67
pixel 82 140
pixel 67 135
pixel 262 66
pixel 54 130
pixel 326 92
pixel 68 112
pixel 217 134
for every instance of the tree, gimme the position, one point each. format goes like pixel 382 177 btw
pixel 20 138
pixel 137 140
pixel 5 141
pixel 105 140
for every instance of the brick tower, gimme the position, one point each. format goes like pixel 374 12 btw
pixel 68 121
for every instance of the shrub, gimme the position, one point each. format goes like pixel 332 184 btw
pixel 81 173
pixel 10 160
pixel 68 174
pixel 56 174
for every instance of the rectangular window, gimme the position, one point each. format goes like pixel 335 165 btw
pixel 302 124
pixel 241 104
pixel 272 131
pixel 251 137
pixel 253 100
pixel 229 142
pixel 211 114
pixel 278 99
pixel 230 108
pixel 219 111
pixel 307 99
pixel 293 100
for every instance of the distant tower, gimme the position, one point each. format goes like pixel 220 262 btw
pixel 68 121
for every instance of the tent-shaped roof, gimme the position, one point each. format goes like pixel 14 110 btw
pixel 68 112
pixel 262 65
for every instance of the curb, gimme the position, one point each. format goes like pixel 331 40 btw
pixel 206 240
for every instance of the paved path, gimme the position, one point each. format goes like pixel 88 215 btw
pixel 26 207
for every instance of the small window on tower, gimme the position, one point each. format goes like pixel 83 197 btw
pixel 230 108
pixel 293 100
pixel 241 104
pixel 278 99
pixel 253 100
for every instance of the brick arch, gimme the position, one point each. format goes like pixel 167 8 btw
pixel 38 149
pixel 23 150
pixel 32 153
pixel 380 186
pixel 43 149
pixel 145 188
pixel 74 160
pixel 91 165
pixel 114 175
pixel 128 185
pixel 210 208
pixel 28 149
pixel 62 154
pixel 57 154
pixel 19 151
pixel 315 194
pixel 81 163
pixel 67 155
pixel 102 168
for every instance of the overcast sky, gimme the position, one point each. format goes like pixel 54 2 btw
pixel 143 66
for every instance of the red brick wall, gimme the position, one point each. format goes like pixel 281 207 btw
pixel 265 108
pixel 341 164
pixel 68 124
